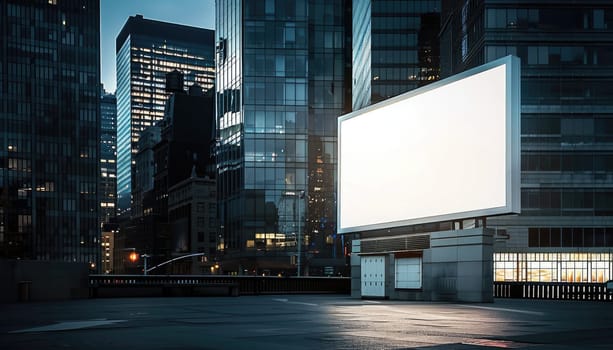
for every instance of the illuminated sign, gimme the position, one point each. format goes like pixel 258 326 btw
pixel 447 151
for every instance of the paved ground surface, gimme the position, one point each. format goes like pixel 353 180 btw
pixel 303 322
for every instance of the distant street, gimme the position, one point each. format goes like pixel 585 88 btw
pixel 303 322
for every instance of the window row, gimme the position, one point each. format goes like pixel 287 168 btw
pixel 394 56
pixel 279 64
pixel 586 202
pixel 596 91
pixel 404 72
pixel 276 93
pixel 275 121
pixel 550 19
pixel 399 6
pixel 567 162
pixel 552 55
pixel 566 125
pixel 271 150
pixel 275 9
pixel 553 267
pixel 570 237
pixel 278 178
pixel 271 34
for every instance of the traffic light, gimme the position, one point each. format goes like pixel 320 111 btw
pixel 133 257
pixel 293 259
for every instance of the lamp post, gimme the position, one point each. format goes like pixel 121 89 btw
pixel 299 262
pixel 145 256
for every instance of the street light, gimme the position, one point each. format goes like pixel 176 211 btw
pixel 145 256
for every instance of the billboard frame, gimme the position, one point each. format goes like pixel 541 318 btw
pixel 512 147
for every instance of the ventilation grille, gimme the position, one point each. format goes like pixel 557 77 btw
pixel 395 244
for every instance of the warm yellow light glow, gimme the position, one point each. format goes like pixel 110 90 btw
pixel 553 267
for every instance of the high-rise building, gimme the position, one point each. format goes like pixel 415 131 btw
pixel 395 48
pixel 565 230
pixel 49 130
pixel 283 78
pixel 147 50
pixel 108 157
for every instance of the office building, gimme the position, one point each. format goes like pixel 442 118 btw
pixel 395 48
pixel 108 157
pixel 147 50
pixel 565 230
pixel 50 130
pixel 283 77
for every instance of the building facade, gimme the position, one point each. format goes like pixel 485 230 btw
pixel 144 170
pixel 395 48
pixel 147 50
pixel 108 248
pixel 565 230
pixel 108 157
pixel 49 130
pixel 283 77
pixel 192 216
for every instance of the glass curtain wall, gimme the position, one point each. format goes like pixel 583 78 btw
pixel 281 77
pixel 49 130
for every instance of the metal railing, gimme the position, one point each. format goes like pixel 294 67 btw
pixel 552 290
pixel 125 285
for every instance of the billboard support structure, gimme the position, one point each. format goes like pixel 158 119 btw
pixel 423 144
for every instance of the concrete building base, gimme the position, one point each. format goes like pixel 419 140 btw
pixel 457 266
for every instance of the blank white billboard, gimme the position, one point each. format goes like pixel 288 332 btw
pixel 448 151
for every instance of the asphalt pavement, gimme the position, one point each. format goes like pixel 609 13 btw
pixel 304 322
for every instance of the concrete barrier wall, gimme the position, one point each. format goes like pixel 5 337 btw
pixel 29 280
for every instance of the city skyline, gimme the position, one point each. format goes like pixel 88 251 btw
pixel 114 14
pixel 280 73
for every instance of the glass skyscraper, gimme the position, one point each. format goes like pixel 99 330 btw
pixel 283 78
pixel 395 48
pixel 147 50
pixel 49 130
pixel 565 230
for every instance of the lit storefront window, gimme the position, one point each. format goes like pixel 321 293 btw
pixel 553 267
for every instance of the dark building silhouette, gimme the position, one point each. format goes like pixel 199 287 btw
pixel 565 230
pixel 182 160
pixel 49 130
pixel 192 218
pixel 178 148
pixel 147 50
